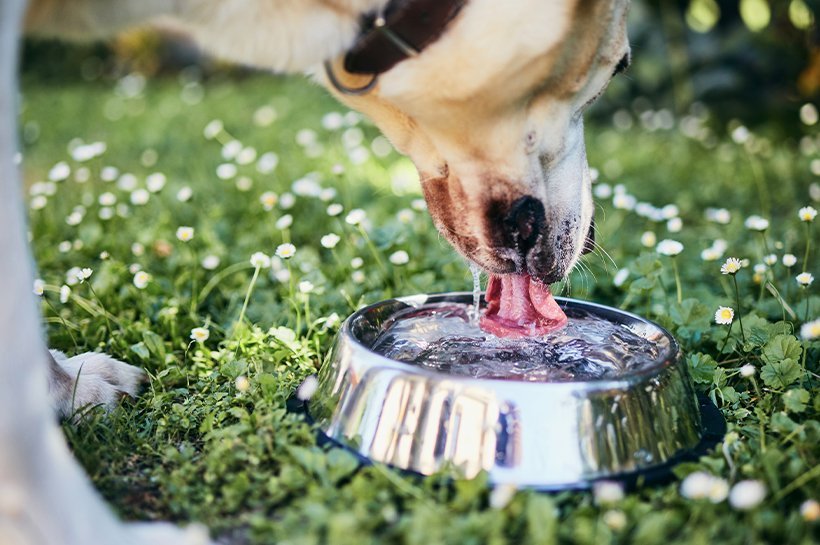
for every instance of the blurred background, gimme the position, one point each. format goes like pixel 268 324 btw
pixel 755 61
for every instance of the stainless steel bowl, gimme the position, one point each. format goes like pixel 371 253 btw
pixel 548 435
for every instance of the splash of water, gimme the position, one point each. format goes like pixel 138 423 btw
pixel 475 315
pixel 442 337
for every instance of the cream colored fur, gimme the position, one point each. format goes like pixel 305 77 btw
pixel 473 108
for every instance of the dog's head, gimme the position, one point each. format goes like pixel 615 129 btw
pixel 491 115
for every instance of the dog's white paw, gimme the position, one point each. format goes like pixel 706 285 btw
pixel 93 379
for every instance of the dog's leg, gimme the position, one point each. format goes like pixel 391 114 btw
pixel 89 379
pixel 44 496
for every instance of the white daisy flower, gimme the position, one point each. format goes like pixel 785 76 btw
pixel 731 266
pixel 355 216
pixel 624 201
pixel 804 279
pixel 137 249
pixel 267 163
pixel 141 279
pixel 789 260
pixel 39 286
pixel 127 182
pixel 399 258
pixel 602 191
pixel 308 387
pixel 59 172
pixel 226 171
pixel 405 216
pixel 107 199
pixel 606 492
pixel 260 260
pixel 65 294
pixel 246 156
pixel 73 219
pixel 64 247
pixel 73 276
pixel 718 215
pixel 327 194
pixel 155 182
pixel 185 234
pixel 282 275
pixel 670 211
pixel 674 225
pixel 109 173
pixel 810 510
pixel 38 203
pixel 200 334
pixel 748 371
pixel 231 149
pixel 356 263
pixel 337 169
pixel 210 262
pixel 242 383
pixel 244 183
pixel 807 213
pixel 502 495
pixel 306 187
pixel 620 277
pixel 330 240
pixel 284 222
pixel 810 330
pixel 286 201
pixel 268 200
pixel 760 268
pixel 306 286
pixel 615 519
pixel 770 259
pixel 701 485
pixel 358 277
pixel 333 121
pixel 213 129
pixel 746 495
pixel 184 194
pixel 756 223
pixel 649 239
pixel 669 247
pixel 724 315
pixel 306 137
pixel 285 251
pixel 140 197
pixel 334 209
pixel 419 205
pixel 710 254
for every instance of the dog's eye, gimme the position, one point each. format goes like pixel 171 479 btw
pixel 623 64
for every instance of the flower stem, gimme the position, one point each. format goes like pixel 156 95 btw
pixel 247 297
pixel 726 340
pixel 677 280
pixel 739 310
pixel 808 245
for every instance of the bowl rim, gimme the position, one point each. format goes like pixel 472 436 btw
pixel 658 366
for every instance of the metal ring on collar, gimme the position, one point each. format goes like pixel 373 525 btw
pixel 344 89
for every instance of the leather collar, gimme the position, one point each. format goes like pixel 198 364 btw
pixel 402 30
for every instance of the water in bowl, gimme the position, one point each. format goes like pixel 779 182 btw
pixel 443 337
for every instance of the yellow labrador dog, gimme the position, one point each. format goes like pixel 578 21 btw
pixel 485 97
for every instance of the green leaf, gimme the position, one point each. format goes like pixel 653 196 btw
pixel 780 374
pixel 690 312
pixel 154 343
pixel 702 367
pixel 795 400
pixel 782 347
pixel 140 350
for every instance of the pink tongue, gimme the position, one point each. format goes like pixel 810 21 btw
pixel 518 306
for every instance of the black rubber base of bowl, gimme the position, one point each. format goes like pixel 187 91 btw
pixel 714 428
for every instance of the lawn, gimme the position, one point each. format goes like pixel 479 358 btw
pixel 226 341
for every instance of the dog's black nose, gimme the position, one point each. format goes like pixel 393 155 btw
pixel 525 220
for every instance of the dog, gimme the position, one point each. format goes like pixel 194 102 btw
pixel 485 97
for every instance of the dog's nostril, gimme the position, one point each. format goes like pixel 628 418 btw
pixel 526 219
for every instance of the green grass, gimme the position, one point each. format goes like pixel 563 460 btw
pixel 197 445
